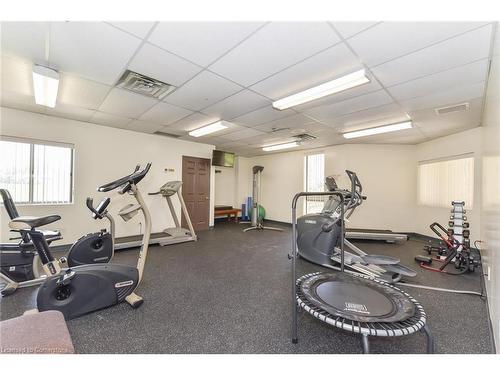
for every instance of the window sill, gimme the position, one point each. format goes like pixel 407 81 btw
pixel 44 204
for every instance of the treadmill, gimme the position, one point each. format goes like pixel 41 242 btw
pixel 168 236
pixel 375 235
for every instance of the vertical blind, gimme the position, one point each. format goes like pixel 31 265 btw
pixel 15 169
pixel 35 172
pixel 443 181
pixel 314 181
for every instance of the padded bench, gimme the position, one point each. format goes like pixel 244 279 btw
pixel 36 333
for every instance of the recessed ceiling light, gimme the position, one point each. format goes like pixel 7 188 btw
pixel 208 129
pixel 45 85
pixel 337 85
pixel 280 146
pixel 379 130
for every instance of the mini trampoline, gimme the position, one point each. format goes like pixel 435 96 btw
pixel 355 303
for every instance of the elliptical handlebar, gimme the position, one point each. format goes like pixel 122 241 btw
pixel 125 183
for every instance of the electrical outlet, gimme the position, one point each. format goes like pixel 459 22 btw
pixel 489 273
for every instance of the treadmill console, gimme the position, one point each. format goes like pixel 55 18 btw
pixel 170 188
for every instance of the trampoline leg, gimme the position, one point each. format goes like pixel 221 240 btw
pixel 430 340
pixel 366 344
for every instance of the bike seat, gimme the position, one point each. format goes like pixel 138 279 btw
pixel 29 222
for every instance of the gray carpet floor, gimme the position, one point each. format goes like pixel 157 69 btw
pixel 230 293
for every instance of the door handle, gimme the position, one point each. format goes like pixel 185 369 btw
pixel 207 198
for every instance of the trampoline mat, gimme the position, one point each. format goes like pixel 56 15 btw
pixel 357 299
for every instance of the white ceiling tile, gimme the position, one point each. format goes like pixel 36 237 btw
pixel 389 40
pixel 296 121
pixel 444 98
pixel 24 39
pixel 461 76
pixel 81 92
pixel 164 66
pixel 234 144
pixel 139 29
pixel 324 66
pixel 201 42
pixel 165 114
pixel 243 102
pixel 359 103
pixel 126 103
pixel 269 139
pixel 273 48
pixel 242 134
pixel 263 115
pixel 463 49
pixel 93 50
pixel 202 91
pixel 144 126
pixel 407 136
pixel 12 99
pixel 191 122
pixel 70 112
pixel 381 113
pixel 16 76
pixel 107 119
pixel 348 29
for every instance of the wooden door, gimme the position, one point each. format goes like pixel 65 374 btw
pixel 196 191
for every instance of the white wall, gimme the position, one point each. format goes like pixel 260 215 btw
pixel 386 173
pixel 469 141
pixel 490 210
pixel 103 154
pixel 225 186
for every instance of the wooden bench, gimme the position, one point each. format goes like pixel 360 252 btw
pixel 228 212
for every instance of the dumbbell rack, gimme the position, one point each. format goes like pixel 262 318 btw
pixel 458 227
pixel 457 240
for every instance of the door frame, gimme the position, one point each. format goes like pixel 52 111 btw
pixel 209 193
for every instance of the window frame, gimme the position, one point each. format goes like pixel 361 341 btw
pixel 468 155
pixel 38 142
pixel 306 171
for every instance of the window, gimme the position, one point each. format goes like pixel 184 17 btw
pixel 442 181
pixel 36 172
pixel 314 180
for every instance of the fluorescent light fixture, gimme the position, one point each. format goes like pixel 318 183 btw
pixel 379 130
pixel 212 128
pixel 280 146
pixel 325 89
pixel 45 85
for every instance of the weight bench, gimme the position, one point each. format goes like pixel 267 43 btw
pixel 36 333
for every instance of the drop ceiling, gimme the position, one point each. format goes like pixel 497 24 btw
pixel 233 71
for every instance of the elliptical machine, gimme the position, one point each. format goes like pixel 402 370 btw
pixel 79 290
pixel 319 237
pixel 20 263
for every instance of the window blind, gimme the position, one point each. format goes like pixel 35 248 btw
pixel 442 181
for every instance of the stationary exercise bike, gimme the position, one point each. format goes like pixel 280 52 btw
pixel 20 263
pixel 79 290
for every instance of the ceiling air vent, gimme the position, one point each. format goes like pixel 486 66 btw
pixel 144 85
pixel 167 134
pixel 452 108
pixel 304 137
